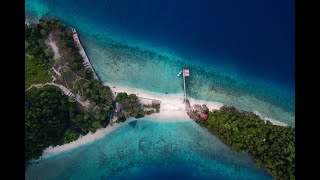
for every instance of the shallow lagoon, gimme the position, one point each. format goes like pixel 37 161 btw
pixel 147 148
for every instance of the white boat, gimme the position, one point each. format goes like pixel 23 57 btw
pixel 179 73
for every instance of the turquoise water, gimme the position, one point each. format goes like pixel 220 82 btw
pixel 128 44
pixel 148 71
pixel 122 56
pixel 147 149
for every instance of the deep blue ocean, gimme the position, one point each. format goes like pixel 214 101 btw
pixel 240 53
pixel 256 38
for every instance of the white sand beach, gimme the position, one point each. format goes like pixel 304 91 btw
pixel 90 137
pixel 273 121
pixel 172 108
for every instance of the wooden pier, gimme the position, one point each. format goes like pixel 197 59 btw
pixel 185 73
pixel 86 62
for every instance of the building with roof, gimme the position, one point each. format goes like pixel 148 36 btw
pixel 156 102
pixel 204 116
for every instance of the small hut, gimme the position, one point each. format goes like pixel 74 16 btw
pixel 156 102
pixel 197 108
pixel 204 116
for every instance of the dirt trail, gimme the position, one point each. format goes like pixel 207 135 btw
pixel 54 47
pixel 65 91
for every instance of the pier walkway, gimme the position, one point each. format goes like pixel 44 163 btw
pixel 86 62
pixel 185 73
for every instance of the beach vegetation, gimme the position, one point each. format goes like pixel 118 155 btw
pixel 69 136
pixel 130 105
pixel 35 72
pixel 121 118
pixel 272 147
pixel 46 119
pixel 51 117
pixel 38 56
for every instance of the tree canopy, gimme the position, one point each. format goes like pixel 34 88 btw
pixel 130 105
pixel 272 147
pixel 46 119
pixel 51 118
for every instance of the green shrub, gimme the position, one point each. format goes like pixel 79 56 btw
pixel 271 146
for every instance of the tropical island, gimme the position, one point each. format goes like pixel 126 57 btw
pixel 62 98
pixel 65 100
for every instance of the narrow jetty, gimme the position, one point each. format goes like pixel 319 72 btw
pixel 86 63
pixel 185 73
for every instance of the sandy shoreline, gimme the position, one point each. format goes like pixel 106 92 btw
pixel 172 108
pixel 90 137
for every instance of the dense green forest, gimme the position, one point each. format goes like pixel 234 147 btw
pixel 130 105
pixel 272 147
pixel 51 118
pixel 46 119
pixel 38 55
pixel 101 107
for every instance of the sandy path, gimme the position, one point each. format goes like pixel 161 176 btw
pixel 57 72
pixel 65 91
pixel 54 46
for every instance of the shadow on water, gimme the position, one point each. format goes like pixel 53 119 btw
pixel 133 124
